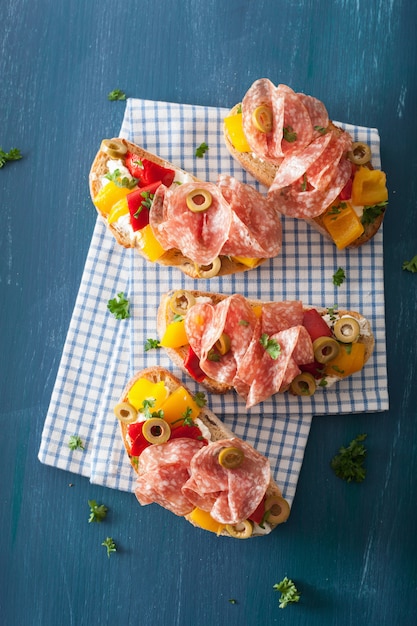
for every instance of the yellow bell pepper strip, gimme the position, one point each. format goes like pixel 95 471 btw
pixel 343 224
pixel 118 210
pixel 144 389
pixel 175 335
pixel 234 128
pixel 204 520
pixel 248 261
pixel 176 405
pixel 349 360
pixel 108 196
pixel 148 243
pixel 369 187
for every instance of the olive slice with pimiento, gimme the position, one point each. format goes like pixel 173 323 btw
pixel 156 430
pixel 208 271
pixel 347 329
pixel 222 345
pixel 114 148
pixel 360 154
pixel 181 301
pixel 304 384
pixel 199 200
pixel 262 118
pixel 325 349
pixel 231 457
pixel 277 510
pixel 243 530
pixel 125 412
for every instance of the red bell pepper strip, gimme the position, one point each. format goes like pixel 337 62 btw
pixel 315 325
pixel 192 365
pixel 139 443
pixel 259 512
pixel 138 204
pixel 189 432
pixel 315 368
pixel 148 172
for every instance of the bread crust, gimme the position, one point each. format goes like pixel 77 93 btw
pixel 173 257
pixel 265 172
pixel 177 355
pixel 217 428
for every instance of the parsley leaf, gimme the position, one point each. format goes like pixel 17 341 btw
pixel 75 442
pixel 213 356
pixel 289 592
pixel 347 464
pixel 200 399
pixel 13 155
pixel 121 181
pixel 150 344
pixel 370 213
pixel 110 545
pixel 119 306
pixel 339 277
pixel 411 266
pixel 289 134
pixel 271 346
pixel 97 511
pixel 201 150
pixel 117 94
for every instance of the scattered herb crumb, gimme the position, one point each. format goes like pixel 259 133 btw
pixel 233 601
pixel 271 346
pixel 411 266
pixel 370 213
pixel 119 306
pixel 289 592
pixel 121 181
pixel 97 511
pixel 13 155
pixel 347 464
pixel 150 344
pixel 117 94
pixel 109 545
pixel 75 443
pixel 339 277
pixel 201 150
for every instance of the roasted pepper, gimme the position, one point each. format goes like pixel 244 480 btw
pixel 176 405
pixel 148 243
pixel 343 224
pixel 204 520
pixel 234 128
pixel 369 187
pixel 108 196
pixel 174 335
pixel 350 359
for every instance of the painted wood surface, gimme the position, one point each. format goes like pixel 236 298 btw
pixel 351 548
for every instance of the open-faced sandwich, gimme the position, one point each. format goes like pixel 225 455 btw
pixel 261 348
pixel 312 168
pixel 170 217
pixel 188 462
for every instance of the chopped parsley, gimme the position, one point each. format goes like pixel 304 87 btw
pixel 411 266
pixel 347 464
pixel 201 150
pixel 320 129
pixel 200 399
pixel 370 213
pixel 13 155
pixel 271 346
pixel 336 209
pixel 119 306
pixel 146 202
pixel 109 544
pixel 97 511
pixel 243 323
pixel 121 181
pixel 150 344
pixel 146 407
pixel 289 592
pixel 117 94
pixel 339 277
pixel 289 134
pixel 213 356
pixel 331 312
pixel 75 443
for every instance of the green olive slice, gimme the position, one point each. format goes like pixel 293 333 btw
pixel 277 510
pixel 181 301
pixel 262 118
pixel 208 271
pixel 360 153
pixel 125 412
pixel 115 148
pixel 243 530
pixel 347 329
pixel 231 457
pixel 156 430
pixel 199 200
pixel 222 345
pixel 325 349
pixel 304 384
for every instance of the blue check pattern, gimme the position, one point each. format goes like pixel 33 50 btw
pixel 102 353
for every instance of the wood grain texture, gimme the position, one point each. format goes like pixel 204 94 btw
pixel 350 548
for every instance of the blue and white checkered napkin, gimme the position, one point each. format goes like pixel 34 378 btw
pixel 102 353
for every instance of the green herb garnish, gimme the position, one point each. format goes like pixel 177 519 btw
pixel 289 134
pixel 271 346
pixel 75 443
pixel 339 277
pixel 348 462
pixel 117 94
pixel 411 266
pixel 370 213
pixel 150 344
pixel 201 150
pixel 119 306
pixel 200 399
pixel 213 356
pixel 121 181
pixel 97 511
pixel 13 155
pixel 289 592
pixel 109 545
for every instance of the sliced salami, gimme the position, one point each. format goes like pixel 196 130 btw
pixel 316 110
pixel 278 316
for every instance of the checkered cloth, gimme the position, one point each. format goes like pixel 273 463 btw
pixel 102 353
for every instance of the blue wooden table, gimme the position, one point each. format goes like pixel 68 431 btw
pixel 350 548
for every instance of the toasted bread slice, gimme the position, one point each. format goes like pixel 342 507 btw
pixel 177 355
pixel 265 171
pixel 217 430
pixel 125 236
